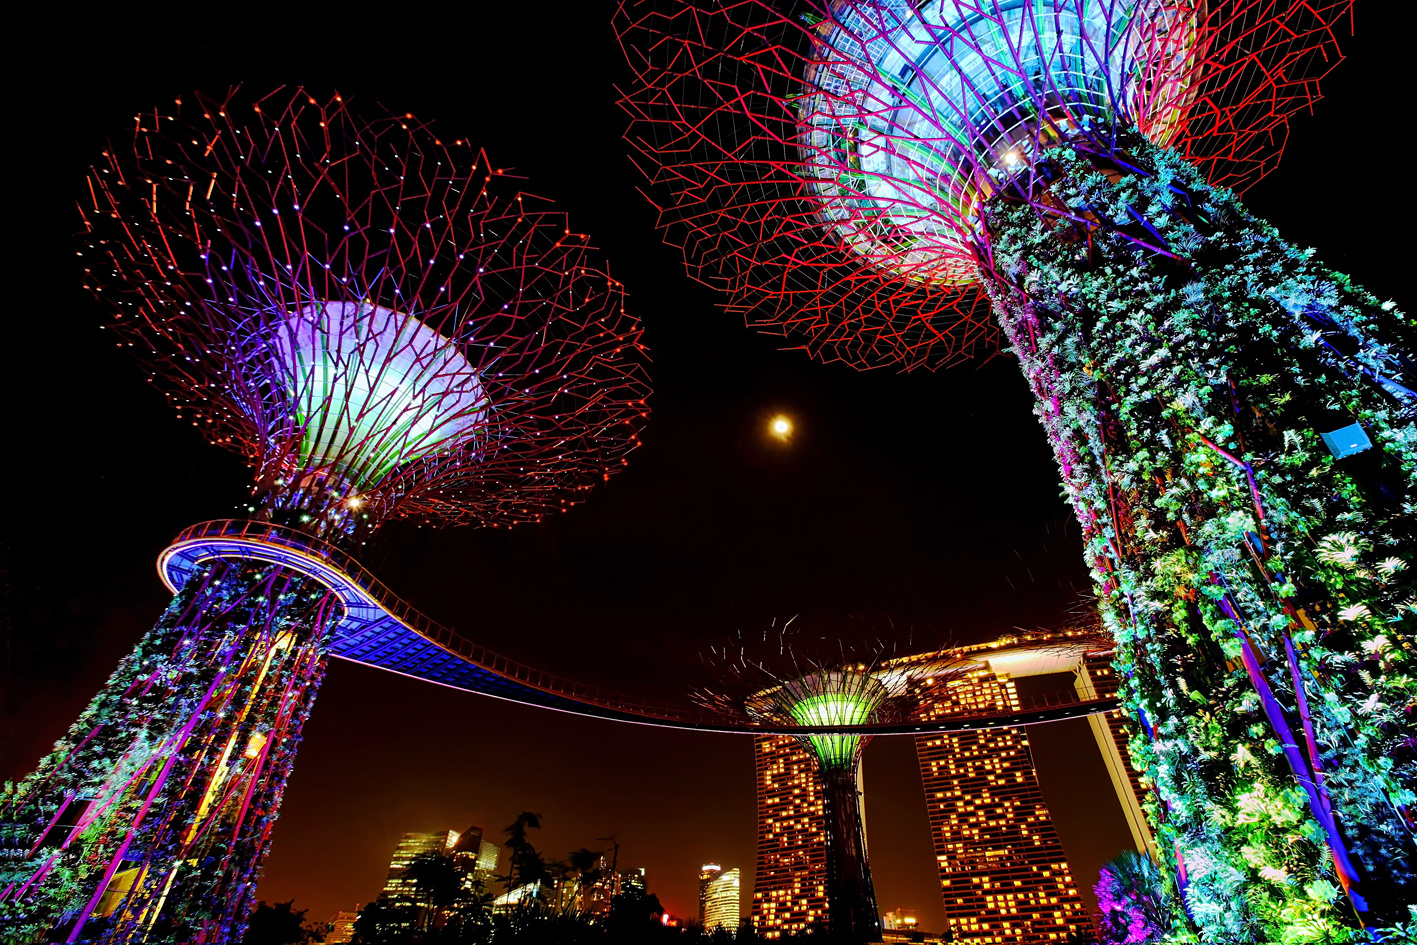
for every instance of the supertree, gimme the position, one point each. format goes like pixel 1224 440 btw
pixel 832 707
pixel 1234 422
pixel 843 697
pixel 383 330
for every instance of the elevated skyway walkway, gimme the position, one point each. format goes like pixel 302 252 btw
pixel 381 630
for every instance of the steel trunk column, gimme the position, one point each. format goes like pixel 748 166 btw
pixel 851 895
pixel 150 819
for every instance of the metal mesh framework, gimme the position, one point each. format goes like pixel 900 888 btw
pixel 757 124
pixel 844 697
pixel 364 313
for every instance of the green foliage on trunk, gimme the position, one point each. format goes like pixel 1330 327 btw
pixel 1186 361
pixel 154 804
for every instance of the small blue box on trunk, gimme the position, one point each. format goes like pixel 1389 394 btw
pixel 1346 441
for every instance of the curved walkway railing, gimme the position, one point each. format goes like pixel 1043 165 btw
pixel 384 631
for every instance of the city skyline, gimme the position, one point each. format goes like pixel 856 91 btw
pixel 887 423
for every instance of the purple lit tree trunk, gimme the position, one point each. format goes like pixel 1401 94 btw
pixel 149 819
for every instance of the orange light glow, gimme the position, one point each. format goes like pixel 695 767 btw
pixel 255 744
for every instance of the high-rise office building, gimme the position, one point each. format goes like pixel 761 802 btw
pixel 632 882
pixel 476 859
pixel 596 896
pixel 718 897
pixel 899 920
pixel 398 887
pixel 790 890
pixel 340 929
pixel 707 874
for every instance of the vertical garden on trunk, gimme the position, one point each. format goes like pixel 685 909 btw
pixel 909 184
pixel 1187 363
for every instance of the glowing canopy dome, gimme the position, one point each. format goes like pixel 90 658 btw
pixel 827 697
pixel 365 313
pixel 372 388
pixel 833 709
pixel 910 106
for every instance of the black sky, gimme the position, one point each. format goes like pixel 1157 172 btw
pixel 923 505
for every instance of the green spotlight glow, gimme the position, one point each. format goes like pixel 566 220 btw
pixel 834 751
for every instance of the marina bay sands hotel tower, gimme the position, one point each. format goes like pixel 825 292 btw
pixel 1004 875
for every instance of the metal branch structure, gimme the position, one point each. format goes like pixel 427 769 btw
pixel 845 696
pixel 893 183
pixel 383 329
pixel 832 708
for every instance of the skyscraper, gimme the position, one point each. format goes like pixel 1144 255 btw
pixel 1003 874
pixel 707 874
pixel 475 858
pixel 790 891
pixel 899 920
pixel 718 897
pixel 398 887
pixel 632 882
pixel 488 855
pixel 340 929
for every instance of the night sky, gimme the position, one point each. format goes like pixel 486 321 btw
pixel 922 508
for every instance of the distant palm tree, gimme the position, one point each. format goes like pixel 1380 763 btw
pixel 584 866
pixel 525 865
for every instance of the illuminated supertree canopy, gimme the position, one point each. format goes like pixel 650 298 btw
pixel 364 315
pixel 362 311
pixel 832 707
pixel 1234 422
pixel 842 697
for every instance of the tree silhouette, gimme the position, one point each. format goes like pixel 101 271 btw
pixel 525 865
pixel 382 922
pixel 584 866
pixel 469 919
pixel 633 912
pixel 280 924
pixel 436 878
